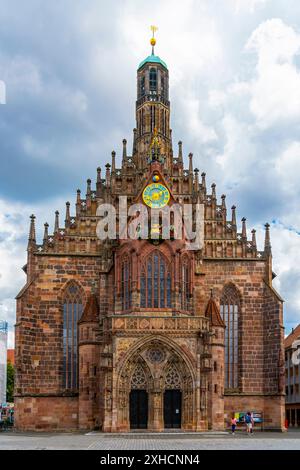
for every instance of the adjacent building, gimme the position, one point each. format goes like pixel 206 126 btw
pixel 3 360
pixel 292 378
pixel 147 333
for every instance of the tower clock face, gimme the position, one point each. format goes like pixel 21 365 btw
pixel 156 195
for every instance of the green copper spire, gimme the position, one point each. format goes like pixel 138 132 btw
pixel 153 59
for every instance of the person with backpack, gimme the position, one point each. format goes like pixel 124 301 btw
pixel 249 423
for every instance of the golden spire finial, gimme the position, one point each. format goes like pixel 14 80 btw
pixel 153 40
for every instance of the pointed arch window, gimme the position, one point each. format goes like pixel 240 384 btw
pixel 72 311
pixel 230 310
pixel 172 378
pixel 185 293
pixel 125 284
pixel 162 86
pixel 156 282
pixel 139 379
pixel 142 86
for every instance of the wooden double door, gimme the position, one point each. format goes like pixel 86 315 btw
pixel 139 409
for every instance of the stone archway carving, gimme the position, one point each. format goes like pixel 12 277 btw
pixel 139 378
pixel 172 378
pixel 156 365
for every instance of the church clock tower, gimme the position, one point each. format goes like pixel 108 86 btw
pixel 152 109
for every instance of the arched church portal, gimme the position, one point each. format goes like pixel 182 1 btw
pixel 156 389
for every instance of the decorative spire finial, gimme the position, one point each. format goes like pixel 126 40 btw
pixel 153 40
pixel 180 160
pixel 196 172
pixel 253 238
pixel 32 237
pixel 56 223
pixel 88 187
pixel 113 161
pixel 213 191
pixel 267 239
pixel 244 229
pixel 107 175
pixel 99 181
pixel 203 181
pixel 124 155
pixel 99 174
pixel 233 216
pixel 223 197
pixel 78 202
pixel 68 217
pixel 45 238
pixel 190 163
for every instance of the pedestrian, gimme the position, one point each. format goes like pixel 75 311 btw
pixel 252 424
pixel 249 423
pixel 233 425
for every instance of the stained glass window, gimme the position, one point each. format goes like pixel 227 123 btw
pixel 125 284
pixel 72 311
pixel 229 309
pixel 156 282
pixel 185 284
pixel 143 289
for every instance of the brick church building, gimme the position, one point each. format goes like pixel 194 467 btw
pixel 145 333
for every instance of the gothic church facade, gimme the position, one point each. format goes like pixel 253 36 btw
pixel 145 333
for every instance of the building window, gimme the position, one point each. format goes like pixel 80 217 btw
pixel 142 89
pixel 153 79
pixel 162 86
pixel 72 311
pixel 155 282
pixel 125 284
pixel 185 278
pixel 230 309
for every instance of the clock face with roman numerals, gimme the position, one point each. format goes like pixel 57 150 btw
pixel 156 195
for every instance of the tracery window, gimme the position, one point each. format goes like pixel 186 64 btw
pixel 125 284
pixel 230 309
pixel 72 311
pixel 156 282
pixel 172 378
pixel 138 379
pixel 153 79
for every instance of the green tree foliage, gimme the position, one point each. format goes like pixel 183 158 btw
pixel 10 383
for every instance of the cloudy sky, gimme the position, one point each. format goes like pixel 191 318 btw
pixel 69 68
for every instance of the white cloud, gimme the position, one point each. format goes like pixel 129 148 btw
pixel 276 87
pixel 242 6
pixel 287 167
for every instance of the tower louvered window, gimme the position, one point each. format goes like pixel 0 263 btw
pixel 72 311
pixel 229 309
pixel 142 86
pixel 156 282
pixel 153 79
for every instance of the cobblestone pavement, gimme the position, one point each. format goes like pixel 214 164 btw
pixel 149 441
